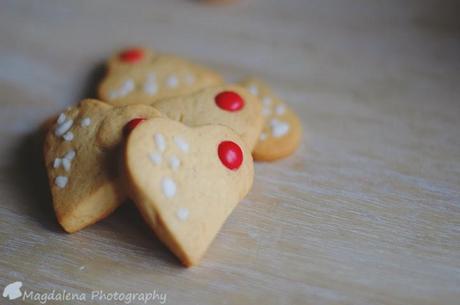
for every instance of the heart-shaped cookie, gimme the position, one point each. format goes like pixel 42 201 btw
pixel 185 181
pixel 282 131
pixel 228 105
pixel 81 152
pixel 141 76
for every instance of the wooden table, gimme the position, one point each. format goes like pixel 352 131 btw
pixel 366 212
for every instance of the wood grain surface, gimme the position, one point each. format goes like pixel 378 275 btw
pixel 366 212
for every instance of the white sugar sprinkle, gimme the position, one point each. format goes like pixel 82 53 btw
pixel 174 162
pixel 279 128
pixel 61 118
pixel 280 109
pixel 150 85
pixel 155 158
pixel 160 142
pixel 65 161
pixel 68 136
pixel 66 164
pixel 181 143
pixel 169 187
pixel 266 111
pixel 182 213
pixel 85 122
pixel 267 101
pixel 253 89
pixel 63 128
pixel 172 81
pixel 263 136
pixel 125 88
pixel 151 88
pixel 61 181
pixel 70 155
pixel 57 162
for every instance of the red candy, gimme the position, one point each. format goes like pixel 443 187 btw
pixel 229 100
pixel 133 124
pixel 131 55
pixel 230 154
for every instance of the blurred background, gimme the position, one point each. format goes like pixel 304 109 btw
pixel 339 45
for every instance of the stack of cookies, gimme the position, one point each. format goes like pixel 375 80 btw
pixel 171 136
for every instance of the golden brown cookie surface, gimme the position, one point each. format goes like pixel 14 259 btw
pixel 81 152
pixel 186 181
pixel 141 76
pixel 282 131
pixel 228 105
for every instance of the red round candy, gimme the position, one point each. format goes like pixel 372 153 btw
pixel 229 101
pixel 131 55
pixel 230 154
pixel 133 124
